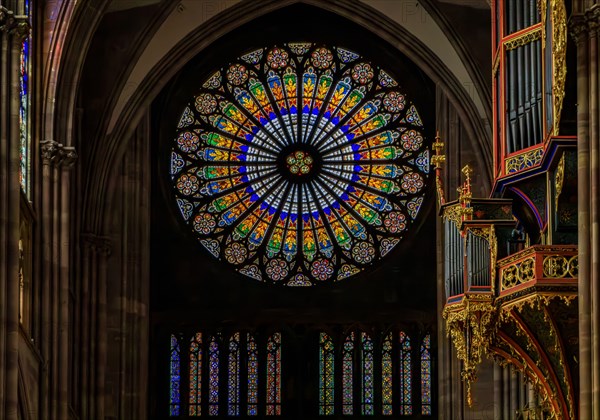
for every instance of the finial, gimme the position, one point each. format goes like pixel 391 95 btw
pixel 467 171
pixel 436 161
pixel 438 146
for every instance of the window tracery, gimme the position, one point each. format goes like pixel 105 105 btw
pixel 299 163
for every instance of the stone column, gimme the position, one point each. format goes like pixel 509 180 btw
pixel 55 225
pixel 514 392
pixel 64 261
pixel 13 29
pixel 584 28
pixel 498 413
pixel 92 310
pixel 506 393
pixel 127 280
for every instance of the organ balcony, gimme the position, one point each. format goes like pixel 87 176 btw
pixel 510 301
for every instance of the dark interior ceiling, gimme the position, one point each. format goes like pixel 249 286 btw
pixel 123 27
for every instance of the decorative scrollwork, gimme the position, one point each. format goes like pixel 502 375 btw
pixel 559 178
pixel 454 214
pixel 518 273
pixel 527 270
pixel 520 162
pixel 559 57
pixel 523 39
pixel 510 277
pixel 560 266
pixel 574 266
pixel 496 65
pixel 471 325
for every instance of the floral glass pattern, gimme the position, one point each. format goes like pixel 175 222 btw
pixel 195 398
pixel 426 375
pixel 274 375
pixel 387 376
pixel 326 375
pixel 213 380
pixel 175 377
pixel 348 375
pixel 24 110
pixel 405 375
pixel 252 376
pixel 299 163
pixel 367 374
pixel 233 402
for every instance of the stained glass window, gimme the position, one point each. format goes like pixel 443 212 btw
pixel 24 110
pixel 233 402
pixel 426 376
pixel 252 376
pixel 405 375
pixel 274 375
pixel 299 163
pixel 348 375
pixel 326 375
pixel 213 377
pixel 386 376
pixel 367 374
pixel 195 375
pixel 175 377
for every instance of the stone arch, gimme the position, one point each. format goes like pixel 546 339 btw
pixel 148 75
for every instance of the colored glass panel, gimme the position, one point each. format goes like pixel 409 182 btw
pixel 326 375
pixel 426 376
pixel 252 375
pixel 367 393
pixel 213 377
pixel 386 376
pixel 274 375
pixel 195 397
pixel 175 378
pixel 348 375
pixel 299 164
pixel 233 401
pixel 405 375
pixel 24 117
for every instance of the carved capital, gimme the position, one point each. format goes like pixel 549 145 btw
pixel 21 28
pixel 593 17
pixel 7 19
pixel 50 151
pixel 583 25
pixel 98 244
pixel 55 154
pixel 69 157
pixel 578 27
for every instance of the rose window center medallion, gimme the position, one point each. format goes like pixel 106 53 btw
pixel 299 164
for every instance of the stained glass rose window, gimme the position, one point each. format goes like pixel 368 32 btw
pixel 299 163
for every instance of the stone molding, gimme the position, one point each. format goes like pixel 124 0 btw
pixel 585 24
pixel 14 25
pixel 55 154
pixel 97 243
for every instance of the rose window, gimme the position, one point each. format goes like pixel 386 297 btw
pixel 299 164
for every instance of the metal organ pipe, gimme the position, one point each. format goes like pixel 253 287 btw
pixel 535 84
pixel 453 260
pixel 518 81
pixel 512 97
pixel 527 95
